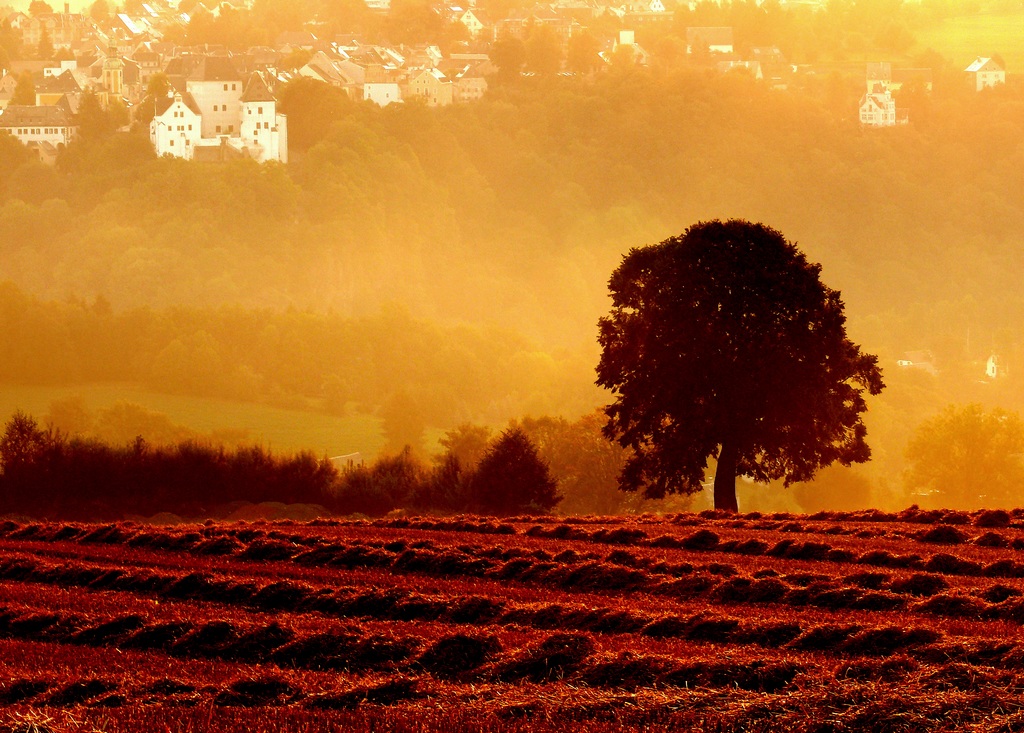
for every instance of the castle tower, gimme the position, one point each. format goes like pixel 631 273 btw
pixel 261 125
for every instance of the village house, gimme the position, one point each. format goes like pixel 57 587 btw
pixel 878 108
pixel 433 87
pixel 8 83
pixel 46 130
pixel 519 24
pixel 985 72
pixel 473 22
pixel 63 30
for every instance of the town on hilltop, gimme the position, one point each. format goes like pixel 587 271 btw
pixel 191 75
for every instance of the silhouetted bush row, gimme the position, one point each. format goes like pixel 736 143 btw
pixel 44 473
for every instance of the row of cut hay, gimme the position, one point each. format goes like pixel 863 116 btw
pixel 471 561
pixel 857 592
pixel 275 545
pixel 454 657
pixel 996 602
pixel 222 640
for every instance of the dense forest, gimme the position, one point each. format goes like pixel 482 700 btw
pixel 456 259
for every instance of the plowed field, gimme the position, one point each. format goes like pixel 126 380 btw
pixel 833 622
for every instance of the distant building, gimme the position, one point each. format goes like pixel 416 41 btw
pixel 473 22
pixel 215 110
pixel 878 108
pixel 177 126
pixel 923 360
pixel 716 39
pixel 433 87
pixel 47 129
pixel 994 367
pixel 985 72
pixel 382 93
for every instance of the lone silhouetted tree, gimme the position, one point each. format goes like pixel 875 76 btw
pixel 723 342
pixel 512 478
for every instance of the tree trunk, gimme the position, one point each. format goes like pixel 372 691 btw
pixel 725 479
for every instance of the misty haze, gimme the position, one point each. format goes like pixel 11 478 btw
pixel 416 365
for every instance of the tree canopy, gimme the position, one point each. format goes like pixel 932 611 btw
pixel 512 477
pixel 967 456
pixel 723 342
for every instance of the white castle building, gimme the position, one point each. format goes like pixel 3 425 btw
pixel 216 117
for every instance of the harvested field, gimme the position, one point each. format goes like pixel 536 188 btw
pixel 839 622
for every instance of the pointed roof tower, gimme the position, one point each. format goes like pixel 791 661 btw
pixel 256 89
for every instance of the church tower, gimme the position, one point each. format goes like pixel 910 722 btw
pixel 113 72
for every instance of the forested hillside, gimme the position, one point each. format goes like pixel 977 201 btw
pixel 460 255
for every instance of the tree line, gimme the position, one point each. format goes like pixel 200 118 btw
pixel 44 473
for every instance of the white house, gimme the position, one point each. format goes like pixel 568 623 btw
pixel 382 93
pixel 878 108
pixel 177 126
pixel 986 73
pixel 473 23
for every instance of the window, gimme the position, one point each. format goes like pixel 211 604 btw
pixel 190 128
pixel 225 87
pixel 218 128
pixel 266 125
pixel 233 88
pixel 256 131
pixel 231 128
pixel 259 110
pixel 171 143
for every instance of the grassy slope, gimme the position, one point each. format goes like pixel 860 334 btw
pixel 279 429
pixel 963 39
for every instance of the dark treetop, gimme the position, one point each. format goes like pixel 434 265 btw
pixel 724 343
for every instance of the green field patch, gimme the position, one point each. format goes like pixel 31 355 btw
pixel 964 38
pixel 278 429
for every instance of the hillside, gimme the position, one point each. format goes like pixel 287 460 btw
pixel 839 622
